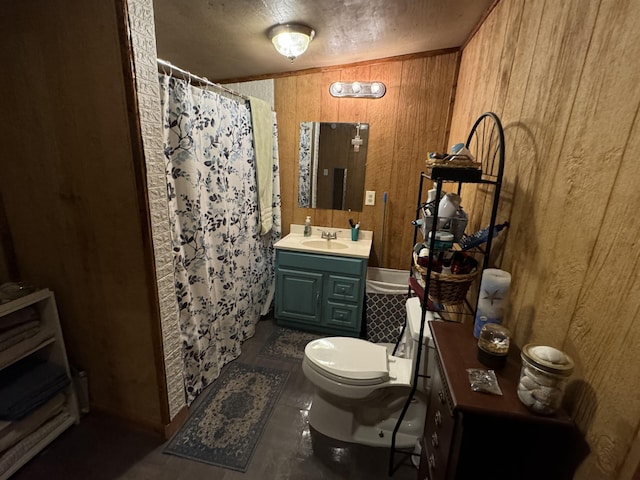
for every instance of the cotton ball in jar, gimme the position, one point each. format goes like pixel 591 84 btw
pixel 539 378
pixel 526 397
pixel 550 354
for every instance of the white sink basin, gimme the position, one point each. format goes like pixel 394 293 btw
pixel 325 244
pixel 343 246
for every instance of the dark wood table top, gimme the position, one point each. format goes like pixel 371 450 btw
pixel 457 348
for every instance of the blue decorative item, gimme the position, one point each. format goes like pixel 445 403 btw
pixel 494 290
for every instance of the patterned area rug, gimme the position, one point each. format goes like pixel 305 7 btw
pixel 287 344
pixel 226 426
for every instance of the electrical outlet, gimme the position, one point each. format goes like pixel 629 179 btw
pixel 370 197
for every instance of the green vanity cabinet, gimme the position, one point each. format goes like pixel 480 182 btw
pixel 320 293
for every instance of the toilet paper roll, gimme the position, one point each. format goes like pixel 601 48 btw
pixel 494 291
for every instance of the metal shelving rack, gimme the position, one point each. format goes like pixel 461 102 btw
pixel 486 143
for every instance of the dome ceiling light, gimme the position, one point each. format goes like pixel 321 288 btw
pixel 291 39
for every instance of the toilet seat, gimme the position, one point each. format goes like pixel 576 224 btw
pixel 349 360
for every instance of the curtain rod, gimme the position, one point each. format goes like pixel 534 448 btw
pixel 191 76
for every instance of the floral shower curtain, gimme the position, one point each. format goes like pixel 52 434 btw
pixel 224 268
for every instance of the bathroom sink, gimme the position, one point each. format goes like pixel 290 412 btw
pixel 342 246
pixel 325 244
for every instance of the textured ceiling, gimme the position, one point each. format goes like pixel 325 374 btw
pixel 227 39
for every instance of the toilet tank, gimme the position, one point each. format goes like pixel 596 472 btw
pixel 409 342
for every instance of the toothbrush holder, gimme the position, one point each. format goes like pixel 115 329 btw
pixel 355 232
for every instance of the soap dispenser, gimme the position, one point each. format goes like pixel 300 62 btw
pixel 307 227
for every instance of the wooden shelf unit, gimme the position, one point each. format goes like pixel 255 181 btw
pixel 47 345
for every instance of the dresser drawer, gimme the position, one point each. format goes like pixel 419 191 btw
pixel 439 426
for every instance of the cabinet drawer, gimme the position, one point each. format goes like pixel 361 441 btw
pixel 324 263
pixel 439 425
pixel 343 289
pixel 342 315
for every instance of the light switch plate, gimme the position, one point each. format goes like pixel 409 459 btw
pixel 370 197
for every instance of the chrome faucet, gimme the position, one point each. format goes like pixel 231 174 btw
pixel 329 236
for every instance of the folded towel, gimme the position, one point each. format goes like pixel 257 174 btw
pixel 12 432
pixel 27 384
pixel 23 450
pixel 21 316
pixel 262 122
pixel 17 334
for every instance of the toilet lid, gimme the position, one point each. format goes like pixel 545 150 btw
pixel 349 357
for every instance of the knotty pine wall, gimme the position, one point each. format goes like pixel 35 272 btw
pixel 408 122
pixel 563 77
pixel 71 194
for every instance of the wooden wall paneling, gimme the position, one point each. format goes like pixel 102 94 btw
pixel 551 84
pixel 567 115
pixel 285 93
pixel 599 161
pixel 604 400
pixel 477 199
pixel 551 94
pixel 381 153
pixel 483 200
pixel 519 176
pixel 409 143
pixel 70 194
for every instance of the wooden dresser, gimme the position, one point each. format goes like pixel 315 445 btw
pixel 471 435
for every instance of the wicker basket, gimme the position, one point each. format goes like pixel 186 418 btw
pixel 450 289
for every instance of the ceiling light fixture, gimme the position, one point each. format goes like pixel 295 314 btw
pixel 292 39
pixel 358 89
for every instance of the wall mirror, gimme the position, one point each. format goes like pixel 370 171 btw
pixel 332 165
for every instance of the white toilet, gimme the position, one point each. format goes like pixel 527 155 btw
pixel 361 388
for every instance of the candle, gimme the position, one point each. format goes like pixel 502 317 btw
pixel 494 290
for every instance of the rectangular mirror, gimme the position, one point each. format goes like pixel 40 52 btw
pixel 332 165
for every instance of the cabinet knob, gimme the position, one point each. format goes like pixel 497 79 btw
pixel 432 461
pixel 438 418
pixel 441 396
pixel 434 440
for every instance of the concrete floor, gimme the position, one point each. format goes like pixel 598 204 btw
pixel 104 448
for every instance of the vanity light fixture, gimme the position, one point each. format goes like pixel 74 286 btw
pixel 291 39
pixel 358 89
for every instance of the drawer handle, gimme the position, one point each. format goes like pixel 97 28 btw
pixel 342 290
pixel 432 461
pixel 438 418
pixel 434 440
pixel 441 396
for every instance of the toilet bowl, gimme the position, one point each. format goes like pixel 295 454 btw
pixel 361 388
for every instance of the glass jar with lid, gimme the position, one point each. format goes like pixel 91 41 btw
pixel 493 345
pixel 543 378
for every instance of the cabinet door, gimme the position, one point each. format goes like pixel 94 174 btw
pixel 298 295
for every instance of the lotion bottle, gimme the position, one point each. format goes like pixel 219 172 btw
pixel 307 227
